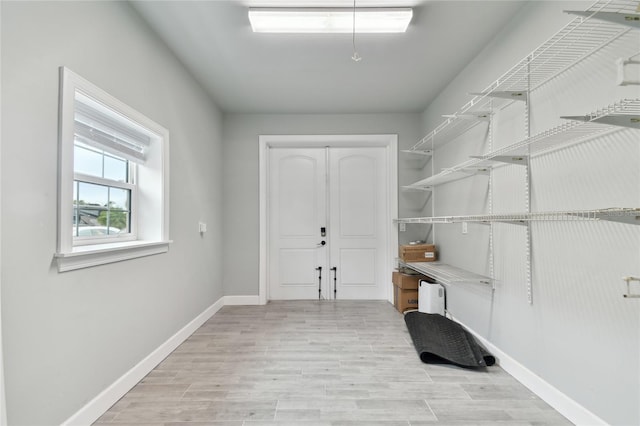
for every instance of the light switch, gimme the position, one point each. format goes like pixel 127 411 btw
pixel 202 227
pixel 628 72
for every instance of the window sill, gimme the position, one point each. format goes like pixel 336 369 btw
pixel 101 254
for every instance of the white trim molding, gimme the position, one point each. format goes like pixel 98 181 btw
pixel 574 412
pixel 3 400
pixel 103 401
pixel 87 256
pixel 242 300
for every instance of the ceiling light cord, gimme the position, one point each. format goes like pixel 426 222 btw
pixel 356 56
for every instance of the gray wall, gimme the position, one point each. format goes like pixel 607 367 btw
pixel 67 336
pixel 580 334
pixel 241 191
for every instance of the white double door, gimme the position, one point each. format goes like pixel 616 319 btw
pixel 328 209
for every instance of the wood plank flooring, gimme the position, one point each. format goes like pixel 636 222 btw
pixel 310 363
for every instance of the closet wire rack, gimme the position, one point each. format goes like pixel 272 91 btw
pixel 579 39
pixel 623 215
pixel 625 113
pixel 446 274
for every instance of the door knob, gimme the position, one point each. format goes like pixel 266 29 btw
pixel 322 243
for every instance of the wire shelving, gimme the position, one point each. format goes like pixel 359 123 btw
pixel 623 215
pixel 446 274
pixel 623 114
pixel 579 39
pixel 592 30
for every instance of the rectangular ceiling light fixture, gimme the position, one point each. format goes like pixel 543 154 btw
pixel 326 20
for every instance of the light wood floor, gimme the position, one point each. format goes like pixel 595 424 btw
pixel 312 363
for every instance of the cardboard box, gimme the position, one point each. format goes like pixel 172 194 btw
pixel 418 253
pixel 405 299
pixel 408 281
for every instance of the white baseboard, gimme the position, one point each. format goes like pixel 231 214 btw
pixel 566 406
pixel 101 403
pixel 241 300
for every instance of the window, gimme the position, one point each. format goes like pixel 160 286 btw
pixel 113 179
pixel 103 188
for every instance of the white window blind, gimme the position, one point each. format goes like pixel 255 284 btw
pixel 102 128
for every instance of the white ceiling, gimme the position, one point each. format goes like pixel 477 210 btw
pixel 283 73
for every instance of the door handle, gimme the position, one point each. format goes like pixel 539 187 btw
pixel 319 269
pixel 335 282
pixel 322 243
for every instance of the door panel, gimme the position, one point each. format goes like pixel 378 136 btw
pixel 297 210
pixel 357 267
pixel 358 221
pixel 356 195
pixel 297 267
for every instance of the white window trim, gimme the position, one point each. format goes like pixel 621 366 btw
pixel 153 237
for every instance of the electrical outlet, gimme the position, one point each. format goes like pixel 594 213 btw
pixel 403 227
pixel 465 227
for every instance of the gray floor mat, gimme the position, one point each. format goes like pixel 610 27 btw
pixel 440 340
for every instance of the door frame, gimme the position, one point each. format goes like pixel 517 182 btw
pixel 389 141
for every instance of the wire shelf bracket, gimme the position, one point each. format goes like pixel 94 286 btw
pixel 471 171
pixel 628 216
pixel 472 116
pixel 423 152
pixel 622 120
pixel 409 188
pixel 521 160
pixel 513 95
pixel 628 19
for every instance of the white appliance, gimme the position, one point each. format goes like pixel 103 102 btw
pixel 430 298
